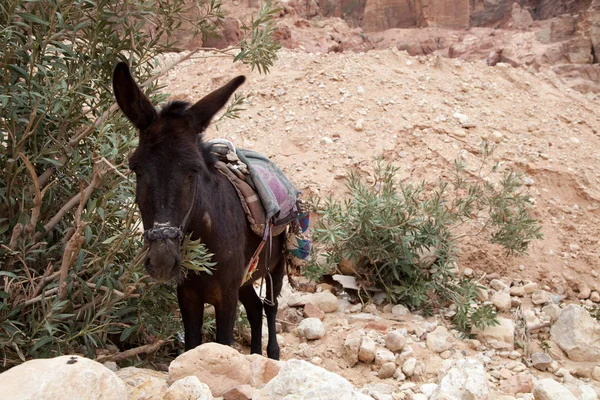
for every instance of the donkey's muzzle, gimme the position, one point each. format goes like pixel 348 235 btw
pixel 163 259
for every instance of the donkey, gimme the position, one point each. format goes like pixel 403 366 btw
pixel 179 191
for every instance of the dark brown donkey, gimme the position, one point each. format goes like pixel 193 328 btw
pixel 179 191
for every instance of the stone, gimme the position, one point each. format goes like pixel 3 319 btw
pixel 188 388
pixel 596 373
pixel 518 291
pixel 143 383
pixel 262 369
pixel 408 367
pixel 541 361
pixel 395 340
pixel 549 389
pixel 531 319
pixel 587 393
pixel 299 379
pixel 461 118
pixel 242 392
pixel 352 347
pixel 428 389
pixel 358 126
pixel 312 311
pixel 419 396
pixel 501 300
pixel 577 334
pixel 521 383
pixel 500 336
pixel 383 356
pixel 498 285
pixel 366 353
pixel 541 297
pixel 387 370
pixel 595 297
pixel 466 380
pixel 440 340
pixel 311 328
pixel 584 293
pixel 399 310
pixel 552 311
pixel 326 301
pixel 221 367
pixel 326 140
pixel 64 377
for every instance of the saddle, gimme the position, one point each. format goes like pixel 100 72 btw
pixel 270 201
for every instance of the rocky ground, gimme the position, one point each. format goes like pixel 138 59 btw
pixel 318 115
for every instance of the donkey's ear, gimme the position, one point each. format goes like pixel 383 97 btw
pixel 134 104
pixel 204 110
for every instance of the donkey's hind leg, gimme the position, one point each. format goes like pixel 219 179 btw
pixel 274 285
pixel 254 309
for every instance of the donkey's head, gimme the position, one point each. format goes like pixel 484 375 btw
pixel 168 165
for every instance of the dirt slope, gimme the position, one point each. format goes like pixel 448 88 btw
pixel 304 115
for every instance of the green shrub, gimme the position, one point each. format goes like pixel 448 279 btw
pixel 71 252
pixel 403 238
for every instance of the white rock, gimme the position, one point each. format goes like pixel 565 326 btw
pixel 577 333
pixel 352 346
pixel 326 140
pixel 549 389
pixel 440 340
pixel 65 377
pixel 501 336
pixel 366 352
pixel 409 366
pixel 358 126
pixel 466 380
pixel 299 379
pixel 143 383
pixel 312 328
pixel 395 340
pixel 221 367
pixel 360 90
pixel 383 356
pixel 326 301
pixel 428 389
pixel 419 396
pixel 496 136
pixel 587 393
pixel 188 388
pixel 498 285
pixel 461 118
pixel 399 310
pixel 501 300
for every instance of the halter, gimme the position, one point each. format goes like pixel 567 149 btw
pixel 165 231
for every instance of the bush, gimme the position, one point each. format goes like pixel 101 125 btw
pixel 70 245
pixel 403 238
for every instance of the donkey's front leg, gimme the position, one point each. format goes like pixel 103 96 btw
pixel 225 313
pixel 191 306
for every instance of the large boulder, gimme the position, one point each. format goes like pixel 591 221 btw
pixel 577 334
pixel 65 377
pixel 549 389
pixel 221 367
pixel 188 388
pixel 466 380
pixel 299 379
pixel 144 383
